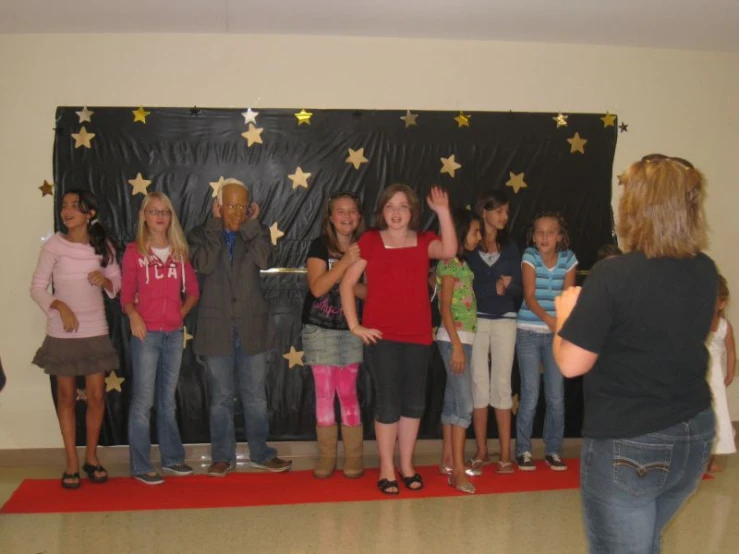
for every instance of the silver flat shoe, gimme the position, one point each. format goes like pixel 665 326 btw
pixel 467 488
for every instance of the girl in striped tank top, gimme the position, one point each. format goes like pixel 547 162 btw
pixel 547 268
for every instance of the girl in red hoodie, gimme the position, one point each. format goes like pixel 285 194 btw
pixel 156 276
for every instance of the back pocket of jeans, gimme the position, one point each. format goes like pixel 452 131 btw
pixel 640 468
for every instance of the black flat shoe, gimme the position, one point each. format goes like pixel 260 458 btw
pixel 385 486
pixel 67 484
pixel 413 479
pixel 91 470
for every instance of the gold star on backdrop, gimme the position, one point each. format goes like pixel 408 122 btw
pixel 85 115
pixel 81 396
pixel 577 144
pixel 449 165
pixel 561 120
pixel 47 189
pixel 216 186
pixel 139 185
pixel 185 337
pixel 83 138
pixel 299 178
pixel 113 382
pixel 356 158
pixel 275 233
pixel 409 118
pixel 608 120
pixel 140 115
pixel 303 117
pixel 294 357
pixel 253 135
pixel 516 182
pixel 250 116
pixel 463 120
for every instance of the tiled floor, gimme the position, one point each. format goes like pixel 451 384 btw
pixel 540 523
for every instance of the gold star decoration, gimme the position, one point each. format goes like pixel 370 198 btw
pixel 449 165
pixel 216 186
pixel 356 158
pixel 81 396
pixel 140 115
pixel 185 337
pixel 303 117
pixel 294 357
pixel 409 118
pixel 577 144
pixel 299 178
pixel 463 120
pixel 516 404
pixel 113 382
pixel 250 116
pixel 47 189
pixel 561 120
pixel 253 135
pixel 139 185
pixel 609 120
pixel 468 208
pixel 275 233
pixel 85 115
pixel 83 138
pixel 516 182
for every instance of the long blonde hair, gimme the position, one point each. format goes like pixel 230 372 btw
pixel 175 234
pixel 661 210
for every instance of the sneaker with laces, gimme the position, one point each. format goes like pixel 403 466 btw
pixel 147 479
pixel 178 469
pixel 220 469
pixel 525 462
pixel 275 465
pixel 555 463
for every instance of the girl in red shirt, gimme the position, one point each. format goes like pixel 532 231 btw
pixel 396 322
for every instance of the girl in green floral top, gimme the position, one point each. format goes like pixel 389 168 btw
pixel 454 339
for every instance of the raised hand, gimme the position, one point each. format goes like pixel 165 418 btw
pixel 438 199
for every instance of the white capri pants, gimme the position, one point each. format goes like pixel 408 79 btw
pixel 491 381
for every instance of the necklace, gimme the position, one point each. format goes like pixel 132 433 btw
pixel 391 242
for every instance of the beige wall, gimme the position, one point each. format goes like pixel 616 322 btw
pixel 684 103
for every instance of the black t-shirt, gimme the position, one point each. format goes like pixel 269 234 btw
pixel 325 311
pixel 647 319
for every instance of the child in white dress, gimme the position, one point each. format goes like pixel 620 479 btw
pixel 720 375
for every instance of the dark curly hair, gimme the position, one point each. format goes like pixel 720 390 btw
pixel 100 239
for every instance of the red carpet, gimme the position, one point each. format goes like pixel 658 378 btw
pixel 35 496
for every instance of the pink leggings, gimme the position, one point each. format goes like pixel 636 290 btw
pixel 332 379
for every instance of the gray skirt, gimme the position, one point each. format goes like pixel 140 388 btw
pixel 330 347
pixel 73 357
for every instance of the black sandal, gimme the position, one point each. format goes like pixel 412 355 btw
pixel 409 481
pixel 386 484
pixel 91 470
pixel 71 485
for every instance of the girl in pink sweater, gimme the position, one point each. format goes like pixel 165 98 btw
pixel 157 275
pixel 80 262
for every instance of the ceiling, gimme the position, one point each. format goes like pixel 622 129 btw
pixel 684 24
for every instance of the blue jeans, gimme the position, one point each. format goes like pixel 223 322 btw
pixel 246 376
pixel 632 488
pixel 533 350
pixel 457 409
pixel 156 371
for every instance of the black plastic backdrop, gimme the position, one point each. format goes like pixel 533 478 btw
pixel 183 150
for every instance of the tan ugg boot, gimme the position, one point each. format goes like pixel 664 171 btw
pixel 353 451
pixel 327 440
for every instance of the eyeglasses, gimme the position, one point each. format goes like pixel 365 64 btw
pixel 165 213
pixel 235 207
pixel 659 157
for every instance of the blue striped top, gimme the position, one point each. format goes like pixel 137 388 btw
pixel 549 283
